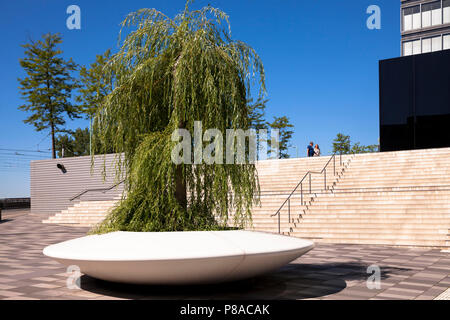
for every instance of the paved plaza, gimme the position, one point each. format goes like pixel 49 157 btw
pixel 330 271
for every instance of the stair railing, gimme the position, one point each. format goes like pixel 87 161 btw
pixel 97 189
pixel 300 184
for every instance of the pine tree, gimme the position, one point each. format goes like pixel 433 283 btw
pixel 47 89
pixel 257 120
pixel 341 144
pixel 74 144
pixel 170 73
pixel 283 125
pixel 96 83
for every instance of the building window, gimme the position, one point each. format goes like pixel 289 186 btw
pixel 426 15
pixel 411 18
pixel 446 41
pixel 407 48
pixel 436 13
pixel 417 21
pixel 446 5
pixel 431 14
pixel 436 44
pixel 416 47
pixel 426 45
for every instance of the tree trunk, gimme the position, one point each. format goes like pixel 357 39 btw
pixel 180 186
pixel 180 181
pixel 53 142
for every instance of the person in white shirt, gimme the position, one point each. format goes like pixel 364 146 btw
pixel 316 151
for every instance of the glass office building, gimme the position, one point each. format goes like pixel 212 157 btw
pixel 415 102
pixel 415 88
pixel 425 26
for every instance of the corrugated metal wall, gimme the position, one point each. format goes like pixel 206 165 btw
pixel 51 189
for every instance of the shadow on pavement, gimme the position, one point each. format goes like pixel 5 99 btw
pixel 294 281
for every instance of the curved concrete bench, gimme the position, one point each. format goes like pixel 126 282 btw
pixel 178 257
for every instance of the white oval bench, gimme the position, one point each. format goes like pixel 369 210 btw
pixel 177 258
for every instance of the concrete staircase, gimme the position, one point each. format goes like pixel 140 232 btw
pixel 278 178
pixel 83 213
pixel 392 198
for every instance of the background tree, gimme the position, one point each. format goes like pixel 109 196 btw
pixel 77 143
pixel 358 148
pixel 96 83
pixel 341 144
pixel 170 73
pixel 283 125
pixel 257 120
pixel 74 144
pixel 372 148
pixel 48 86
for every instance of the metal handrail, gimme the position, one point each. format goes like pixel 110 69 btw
pixel 97 189
pixel 300 184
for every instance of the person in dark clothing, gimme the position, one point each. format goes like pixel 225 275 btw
pixel 310 150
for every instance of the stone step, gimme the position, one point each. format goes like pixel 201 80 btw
pixel 388 242
pixel 391 230
pixel 375 226
pixel 323 204
pixel 350 220
pixel 368 235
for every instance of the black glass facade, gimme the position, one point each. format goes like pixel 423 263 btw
pixel 415 102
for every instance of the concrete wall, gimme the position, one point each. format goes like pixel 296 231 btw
pixel 51 189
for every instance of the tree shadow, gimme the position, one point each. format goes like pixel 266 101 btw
pixel 294 281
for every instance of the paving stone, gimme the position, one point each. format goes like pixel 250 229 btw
pixel 330 271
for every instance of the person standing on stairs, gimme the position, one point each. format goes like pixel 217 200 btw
pixel 310 150
pixel 316 151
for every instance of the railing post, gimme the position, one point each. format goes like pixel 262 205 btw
pixel 325 179
pixel 279 228
pixel 289 210
pixel 301 192
pixel 340 158
pixel 310 190
pixel 334 165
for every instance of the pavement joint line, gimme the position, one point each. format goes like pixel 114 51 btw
pixel 444 295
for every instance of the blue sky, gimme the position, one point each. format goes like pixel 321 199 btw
pixel 321 64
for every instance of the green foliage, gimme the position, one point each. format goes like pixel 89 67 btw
pixel 75 144
pixel 257 113
pixel 96 84
pixel 283 125
pixel 358 148
pixel 341 144
pixel 257 120
pixel 168 74
pixel 48 86
pixel 372 148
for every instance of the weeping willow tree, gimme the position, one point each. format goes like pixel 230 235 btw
pixel 170 73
